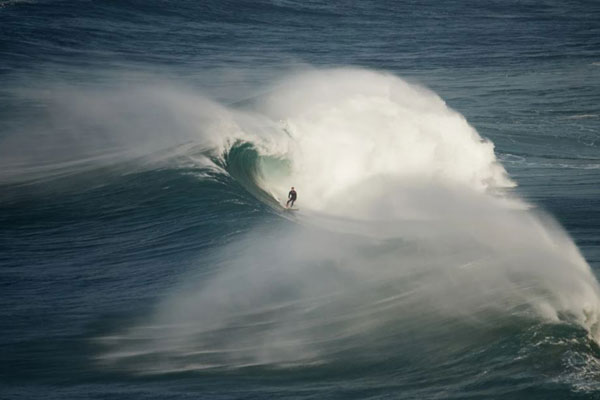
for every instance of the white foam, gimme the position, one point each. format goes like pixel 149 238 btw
pixel 350 128
pixel 407 228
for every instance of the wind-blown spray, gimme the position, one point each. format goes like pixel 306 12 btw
pixel 406 238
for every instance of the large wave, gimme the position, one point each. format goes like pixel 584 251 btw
pixel 406 237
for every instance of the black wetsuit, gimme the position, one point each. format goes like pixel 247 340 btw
pixel 292 198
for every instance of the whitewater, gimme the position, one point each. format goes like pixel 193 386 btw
pixel 407 224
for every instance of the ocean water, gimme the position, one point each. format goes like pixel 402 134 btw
pixel 446 157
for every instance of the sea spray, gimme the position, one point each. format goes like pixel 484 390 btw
pixel 405 238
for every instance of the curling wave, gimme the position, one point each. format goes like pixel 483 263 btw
pixel 407 238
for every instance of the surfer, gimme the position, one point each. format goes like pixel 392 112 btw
pixel 291 198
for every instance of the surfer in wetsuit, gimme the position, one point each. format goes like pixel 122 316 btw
pixel 291 198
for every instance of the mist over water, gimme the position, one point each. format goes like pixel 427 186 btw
pixel 406 230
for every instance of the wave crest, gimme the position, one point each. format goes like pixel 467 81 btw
pixel 403 235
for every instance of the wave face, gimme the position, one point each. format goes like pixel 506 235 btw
pixel 407 247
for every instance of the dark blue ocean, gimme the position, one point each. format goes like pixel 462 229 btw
pixel 446 239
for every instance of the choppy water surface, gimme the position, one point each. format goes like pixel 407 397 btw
pixel 446 157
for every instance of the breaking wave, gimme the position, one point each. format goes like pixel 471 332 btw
pixel 407 236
